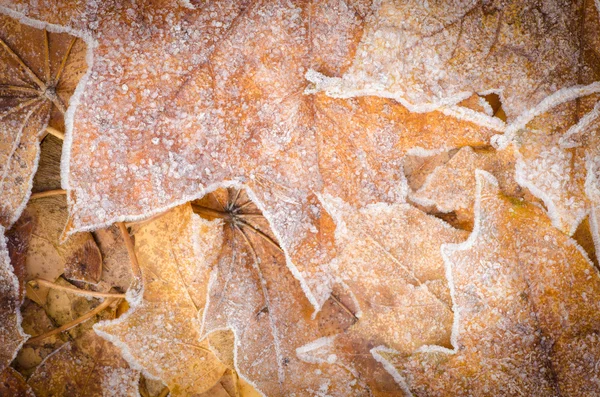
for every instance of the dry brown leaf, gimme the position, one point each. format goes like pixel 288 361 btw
pixel 451 186
pixel 47 176
pixel 78 257
pixel 253 293
pixel 226 76
pixel 116 271
pixel 88 366
pixel 39 71
pixel 434 56
pixel 35 322
pixel 12 336
pixel 390 261
pixel 161 331
pixel 12 384
pixel 526 310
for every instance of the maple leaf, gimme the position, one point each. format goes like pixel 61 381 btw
pixel 161 331
pixel 436 56
pixel 390 261
pixel 39 71
pixel 12 336
pixel 525 320
pixel 13 384
pixel 253 293
pixel 450 187
pixel 87 366
pixel 228 76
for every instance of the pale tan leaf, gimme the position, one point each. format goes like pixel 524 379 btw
pixel 161 331
pixel 255 295
pixel 526 310
pixel 88 366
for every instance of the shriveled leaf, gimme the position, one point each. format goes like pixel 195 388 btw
pixel 229 77
pixel 47 176
pixel 48 257
pixel 38 73
pixel 88 366
pixel 116 270
pixel 12 384
pixel 35 322
pixel 526 310
pixel 161 331
pixel 255 295
pixel 12 336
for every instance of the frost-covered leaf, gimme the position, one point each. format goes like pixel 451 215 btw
pixel 12 336
pixel 161 331
pixel 87 366
pixel 223 100
pixel 431 56
pixel 526 310
pixel 38 73
pixel 255 295
pixel 451 186
pixel 390 261
pixel 12 384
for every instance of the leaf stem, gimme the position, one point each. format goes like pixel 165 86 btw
pixel 71 324
pixel 53 131
pixel 47 193
pixel 135 266
pixel 50 284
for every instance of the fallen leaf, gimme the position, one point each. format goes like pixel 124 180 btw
pixel 12 336
pixel 228 76
pixel 87 366
pixel 12 384
pixel 161 331
pixel 78 258
pixel 35 322
pixel 18 238
pixel 451 186
pixel 116 271
pixel 434 56
pixel 253 293
pixel 390 261
pixel 47 176
pixel 526 310
pixel 39 71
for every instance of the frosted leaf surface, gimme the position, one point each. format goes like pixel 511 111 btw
pixel 11 333
pixel 12 384
pixel 39 71
pixel 87 366
pixel 451 186
pixel 255 295
pixel 429 56
pixel 161 331
pixel 526 304
pixel 180 101
pixel 390 260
